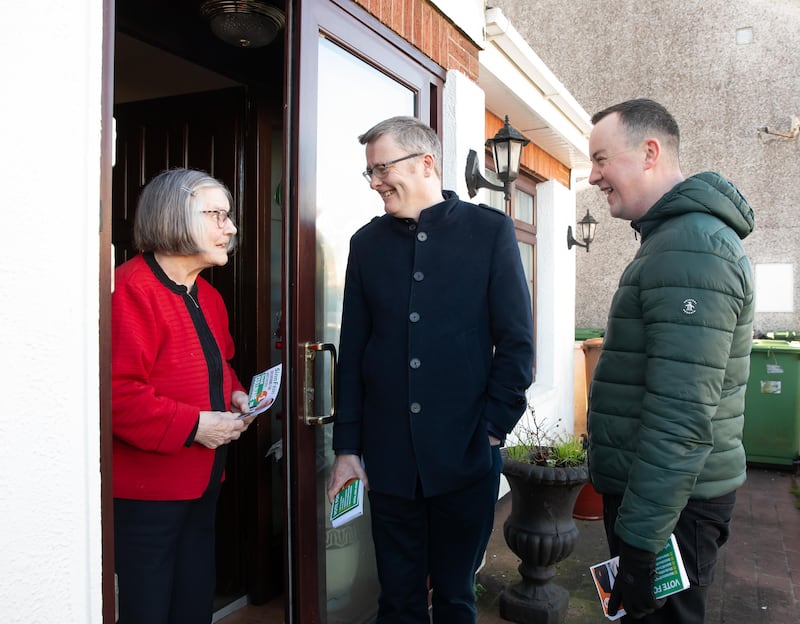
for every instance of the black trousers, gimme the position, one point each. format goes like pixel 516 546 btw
pixel 703 527
pixel 443 537
pixel 164 558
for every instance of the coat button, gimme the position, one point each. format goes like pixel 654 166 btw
pixel 415 363
pixel 415 408
pixel 419 276
pixel 413 317
pixel 422 237
pixel 412 226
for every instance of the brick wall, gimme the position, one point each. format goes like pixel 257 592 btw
pixel 429 31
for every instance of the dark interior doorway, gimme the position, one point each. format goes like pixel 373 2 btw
pixel 184 98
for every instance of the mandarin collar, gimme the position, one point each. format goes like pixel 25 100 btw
pixel 435 215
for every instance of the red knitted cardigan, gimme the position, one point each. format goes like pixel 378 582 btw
pixel 160 383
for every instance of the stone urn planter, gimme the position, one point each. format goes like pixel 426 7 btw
pixel 541 531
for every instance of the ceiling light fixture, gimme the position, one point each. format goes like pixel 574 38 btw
pixel 243 23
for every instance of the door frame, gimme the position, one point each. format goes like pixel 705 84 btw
pixel 106 264
pixel 257 570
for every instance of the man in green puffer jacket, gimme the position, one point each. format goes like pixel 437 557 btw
pixel 666 406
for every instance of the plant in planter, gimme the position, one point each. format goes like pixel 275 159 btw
pixel 545 472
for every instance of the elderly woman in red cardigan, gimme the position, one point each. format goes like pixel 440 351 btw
pixel 176 400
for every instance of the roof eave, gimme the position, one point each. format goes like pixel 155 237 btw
pixel 517 83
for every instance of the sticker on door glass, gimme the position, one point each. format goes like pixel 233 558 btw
pixel 770 387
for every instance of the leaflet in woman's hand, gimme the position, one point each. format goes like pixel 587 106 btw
pixel 263 390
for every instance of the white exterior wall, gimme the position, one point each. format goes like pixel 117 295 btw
pixel 552 393
pixel 50 535
pixel 524 86
pixel 463 107
pixel 522 81
pixel 466 14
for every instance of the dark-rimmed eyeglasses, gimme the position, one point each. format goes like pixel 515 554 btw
pixel 221 216
pixel 380 170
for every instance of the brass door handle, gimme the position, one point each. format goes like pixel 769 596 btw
pixel 310 351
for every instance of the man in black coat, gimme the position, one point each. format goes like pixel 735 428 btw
pixel 435 356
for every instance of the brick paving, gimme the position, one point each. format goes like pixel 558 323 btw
pixel 757 575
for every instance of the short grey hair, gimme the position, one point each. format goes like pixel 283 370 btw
pixel 168 218
pixel 410 133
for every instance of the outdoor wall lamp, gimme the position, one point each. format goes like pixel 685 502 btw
pixel 506 147
pixel 586 228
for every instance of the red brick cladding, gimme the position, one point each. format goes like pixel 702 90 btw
pixel 424 27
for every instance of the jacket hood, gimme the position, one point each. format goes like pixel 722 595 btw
pixel 707 193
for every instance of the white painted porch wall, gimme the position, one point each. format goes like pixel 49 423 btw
pixel 463 106
pixel 552 392
pixel 50 536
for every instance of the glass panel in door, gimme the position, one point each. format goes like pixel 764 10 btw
pixel 352 96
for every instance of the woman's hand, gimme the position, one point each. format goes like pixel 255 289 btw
pixel 241 402
pixel 218 428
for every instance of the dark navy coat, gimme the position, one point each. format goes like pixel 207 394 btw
pixel 436 346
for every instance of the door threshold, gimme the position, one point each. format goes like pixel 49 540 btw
pixel 229 608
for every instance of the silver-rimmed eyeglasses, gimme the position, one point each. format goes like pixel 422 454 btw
pixel 381 170
pixel 221 216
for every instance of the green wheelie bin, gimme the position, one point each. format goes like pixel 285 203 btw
pixel 772 403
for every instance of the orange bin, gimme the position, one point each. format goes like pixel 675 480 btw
pixel 589 504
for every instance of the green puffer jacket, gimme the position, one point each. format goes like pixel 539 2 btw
pixel 666 405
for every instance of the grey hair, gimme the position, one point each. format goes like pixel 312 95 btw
pixel 168 218
pixel 411 134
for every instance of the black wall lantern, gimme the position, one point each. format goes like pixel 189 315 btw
pixel 506 147
pixel 586 228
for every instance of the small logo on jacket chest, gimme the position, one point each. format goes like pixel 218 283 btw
pixel 689 306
